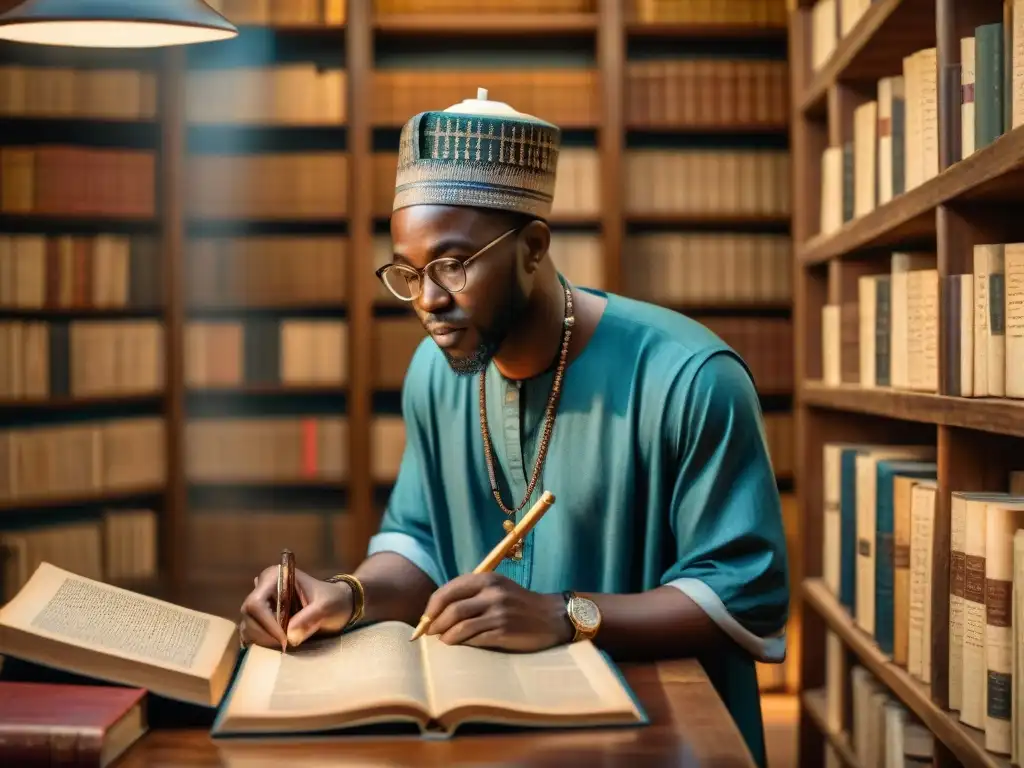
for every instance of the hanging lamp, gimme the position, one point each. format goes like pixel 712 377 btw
pixel 114 23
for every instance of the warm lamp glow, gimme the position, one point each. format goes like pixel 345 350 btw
pixel 115 23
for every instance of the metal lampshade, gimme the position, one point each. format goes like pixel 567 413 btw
pixel 114 23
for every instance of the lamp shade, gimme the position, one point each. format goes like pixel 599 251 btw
pixel 114 23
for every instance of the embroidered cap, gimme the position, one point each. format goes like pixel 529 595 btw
pixel 479 153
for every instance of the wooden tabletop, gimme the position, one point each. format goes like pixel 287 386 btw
pixel 690 728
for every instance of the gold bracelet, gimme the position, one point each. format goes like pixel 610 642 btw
pixel 358 596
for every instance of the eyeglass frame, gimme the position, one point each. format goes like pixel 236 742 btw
pixel 422 274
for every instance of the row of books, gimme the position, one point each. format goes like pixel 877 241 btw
pixel 706 92
pixel 540 7
pixel 895 138
pixel 51 92
pixel 569 97
pixel 752 182
pixel 79 271
pixel 98 358
pixel 84 458
pixel 119 545
pixel 764 343
pixel 769 13
pixel 889 335
pixel 282 12
pixel 831 21
pixel 884 731
pixel 289 185
pixel 878 551
pixel 285 94
pixel 78 181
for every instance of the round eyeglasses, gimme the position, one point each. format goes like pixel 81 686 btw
pixel 449 273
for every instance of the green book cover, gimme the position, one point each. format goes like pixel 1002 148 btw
pixel 989 84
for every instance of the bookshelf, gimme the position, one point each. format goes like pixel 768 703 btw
pixel 952 200
pixel 373 64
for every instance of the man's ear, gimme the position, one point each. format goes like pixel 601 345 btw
pixel 534 241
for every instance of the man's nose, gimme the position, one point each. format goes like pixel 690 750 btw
pixel 433 297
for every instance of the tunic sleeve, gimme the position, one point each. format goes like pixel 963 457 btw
pixel 406 527
pixel 725 508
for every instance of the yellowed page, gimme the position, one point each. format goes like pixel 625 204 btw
pixel 57 611
pixel 568 680
pixel 360 670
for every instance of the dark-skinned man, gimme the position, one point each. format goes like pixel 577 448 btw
pixel 666 536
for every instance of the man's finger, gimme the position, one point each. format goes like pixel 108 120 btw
pixel 258 611
pixel 304 623
pixel 459 588
pixel 459 611
pixel 495 639
pixel 251 633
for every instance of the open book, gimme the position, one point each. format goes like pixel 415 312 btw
pixel 371 675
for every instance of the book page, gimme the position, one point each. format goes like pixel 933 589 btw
pixel 363 669
pixel 571 679
pixel 74 611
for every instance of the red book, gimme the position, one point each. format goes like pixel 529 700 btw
pixel 68 725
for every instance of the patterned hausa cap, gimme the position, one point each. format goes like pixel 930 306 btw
pixel 479 153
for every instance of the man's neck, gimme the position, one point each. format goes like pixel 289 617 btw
pixel 534 344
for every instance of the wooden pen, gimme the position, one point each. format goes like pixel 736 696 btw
pixel 285 592
pixel 502 548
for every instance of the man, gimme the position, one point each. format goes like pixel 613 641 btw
pixel 644 425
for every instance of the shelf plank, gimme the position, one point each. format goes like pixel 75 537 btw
pixel 998 416
pixel 874 48
pixel 92 498
pixel 994 174
pixel 965 743
pixel 668 30
pixel 266 390
pixel 76 403
pixel 532 24
pixel 815 704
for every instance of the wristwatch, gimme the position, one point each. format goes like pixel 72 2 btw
pixel 584 615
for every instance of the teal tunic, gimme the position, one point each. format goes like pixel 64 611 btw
pixel 660 469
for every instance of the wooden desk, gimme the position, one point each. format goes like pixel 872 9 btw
pixel 690 728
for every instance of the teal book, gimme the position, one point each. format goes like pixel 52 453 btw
pixel 369 680
pixel 885 550
pixel 989 84
pixel 848 527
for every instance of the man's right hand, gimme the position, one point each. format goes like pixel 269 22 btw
pixel 326 609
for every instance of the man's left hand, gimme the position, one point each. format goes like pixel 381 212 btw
pixel 489 610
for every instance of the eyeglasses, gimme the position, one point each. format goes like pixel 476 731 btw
pixel 448 272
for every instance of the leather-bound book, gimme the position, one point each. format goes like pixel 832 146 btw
pixel 84 726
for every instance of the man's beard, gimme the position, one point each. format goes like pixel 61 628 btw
pixel 491 338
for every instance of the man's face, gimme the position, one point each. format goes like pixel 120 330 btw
pixel 470 325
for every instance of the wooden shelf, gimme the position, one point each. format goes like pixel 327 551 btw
pixel 75 403
pixel 965 743
pixel 699 31
pixel 815 702
pixel 275 390
pixel 999 416
pixel 77 313
pixel 80 500
pixel 454 24
pixel 894 29
pixel 994 174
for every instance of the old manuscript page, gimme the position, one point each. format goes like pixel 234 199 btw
pixel 568 680
pixel 70 622
pixel 372 671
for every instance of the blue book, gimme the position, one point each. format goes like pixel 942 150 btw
pixel 848 528
pixel 885 552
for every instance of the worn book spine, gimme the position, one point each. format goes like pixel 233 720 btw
pixel 901 569
pixel 1001 526
pixel 60 359
pixel 949 119
pixel 989 84
pixel 949 312
pixel 957 580
pixel 883 326
pixel 967 57
pixel 848 182
pixel 1017 714
pixel 922 512
pixel 884 562
pixel 972 701
pixel 867 309
pixel 1014 319
pixel 989 325
pixel 848 512
pixel 899 139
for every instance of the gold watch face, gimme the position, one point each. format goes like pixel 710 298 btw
pixel 585 612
